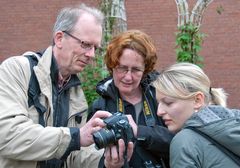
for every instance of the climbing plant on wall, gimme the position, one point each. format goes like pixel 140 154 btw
pixel 189 38
pixel 189 41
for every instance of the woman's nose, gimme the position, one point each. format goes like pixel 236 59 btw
pixel 160 110
pixel 128 75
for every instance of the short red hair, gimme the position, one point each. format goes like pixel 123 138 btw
pixel 135 40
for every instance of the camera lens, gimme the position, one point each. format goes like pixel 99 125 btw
pixel 104 137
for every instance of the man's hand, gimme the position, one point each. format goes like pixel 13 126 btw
pixel 93 125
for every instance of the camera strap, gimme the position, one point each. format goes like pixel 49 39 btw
pixel 149 119
pixel 149 160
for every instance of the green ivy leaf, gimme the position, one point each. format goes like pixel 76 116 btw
pixel 188 44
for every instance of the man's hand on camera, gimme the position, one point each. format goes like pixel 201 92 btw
pixel 114 155
pixel 93 125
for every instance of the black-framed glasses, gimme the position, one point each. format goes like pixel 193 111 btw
pixel 124 70
pixel 85 45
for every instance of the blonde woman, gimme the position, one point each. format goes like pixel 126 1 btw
pixel 186 99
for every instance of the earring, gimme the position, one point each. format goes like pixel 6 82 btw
pixel 195 110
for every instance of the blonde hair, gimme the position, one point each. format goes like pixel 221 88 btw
pixel 184 80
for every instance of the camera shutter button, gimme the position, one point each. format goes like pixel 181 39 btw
pixel 122 121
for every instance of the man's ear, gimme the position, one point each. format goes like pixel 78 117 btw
pixel 199 100
pixel 58 37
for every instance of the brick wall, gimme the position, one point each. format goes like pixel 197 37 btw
pixel 27 25
pixel 221 47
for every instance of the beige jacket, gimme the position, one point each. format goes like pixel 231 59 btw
pixel 24 142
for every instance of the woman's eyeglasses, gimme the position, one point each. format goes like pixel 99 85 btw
pixel 124 70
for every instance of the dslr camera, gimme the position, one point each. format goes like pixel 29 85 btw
pixel 117 127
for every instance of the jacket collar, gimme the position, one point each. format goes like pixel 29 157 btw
pixel 210 114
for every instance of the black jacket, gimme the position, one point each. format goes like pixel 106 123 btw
pixel 153 141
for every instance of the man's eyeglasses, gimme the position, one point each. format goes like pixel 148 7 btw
pixel 85 45
pixel 124 70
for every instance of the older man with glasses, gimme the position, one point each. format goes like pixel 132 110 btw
pixel 43 108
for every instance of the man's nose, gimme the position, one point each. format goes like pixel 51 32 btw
pixel 91 52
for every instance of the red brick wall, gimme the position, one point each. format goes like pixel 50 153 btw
pixel 221 47
pixel 27 25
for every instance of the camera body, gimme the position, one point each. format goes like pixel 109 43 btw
pixel 117 127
